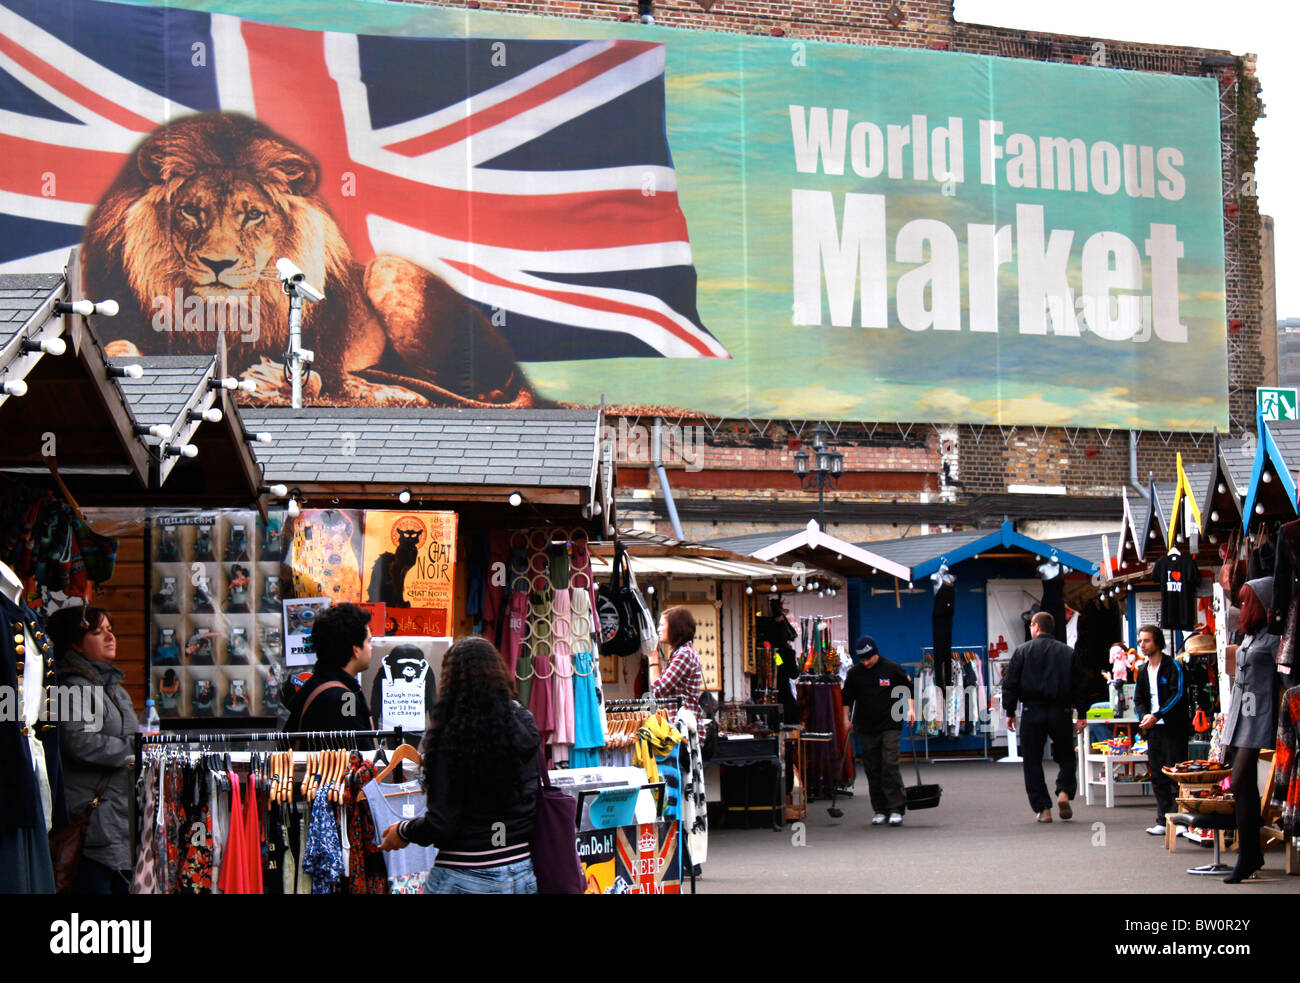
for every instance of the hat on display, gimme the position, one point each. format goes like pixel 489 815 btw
pixel 1200 645
pixel 866 647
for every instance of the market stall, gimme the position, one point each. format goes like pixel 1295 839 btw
pixel 961 612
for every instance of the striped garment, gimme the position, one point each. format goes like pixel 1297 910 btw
pixel 496 857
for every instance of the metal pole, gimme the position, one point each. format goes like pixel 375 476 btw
pixel 821 501
pixel 295 349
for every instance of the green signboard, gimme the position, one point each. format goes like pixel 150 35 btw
pixel 1278 403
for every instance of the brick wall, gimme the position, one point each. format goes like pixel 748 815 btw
pixel 1087 461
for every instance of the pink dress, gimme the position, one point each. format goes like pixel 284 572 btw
pixel 562 681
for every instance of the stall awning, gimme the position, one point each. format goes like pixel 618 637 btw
pixel 59 408
pixel 1272 477
pixel 813 545
pixel 926 554
pixel 706 562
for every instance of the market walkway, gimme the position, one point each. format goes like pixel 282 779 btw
pixel 982 838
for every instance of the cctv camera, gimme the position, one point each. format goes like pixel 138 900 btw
pixel 295 280
pixel 288 270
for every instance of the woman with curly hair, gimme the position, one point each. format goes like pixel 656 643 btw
pixel 480 772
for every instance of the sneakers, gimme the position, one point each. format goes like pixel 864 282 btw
pixel 1157 830
pixel 878 819
pixel 1045 816
pixel 895 819
pixel 1063 803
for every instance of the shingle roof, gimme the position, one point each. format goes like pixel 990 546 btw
pixel 528 448
pixel 1286 434
pixel 1239 462
pixel 751 543
pixel 1087 547
pixel 915 550
pixel 1198 476
pixel 168 382
pixel 21 296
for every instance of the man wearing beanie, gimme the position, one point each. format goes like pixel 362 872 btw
pixel 877 697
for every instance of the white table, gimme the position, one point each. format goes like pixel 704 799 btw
pixel 1097 771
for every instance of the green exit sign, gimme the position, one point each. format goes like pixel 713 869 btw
pixel 1278 404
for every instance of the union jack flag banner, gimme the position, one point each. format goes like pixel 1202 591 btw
pixel 510 210
pixel 532 177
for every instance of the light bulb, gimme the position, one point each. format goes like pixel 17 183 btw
pixel 1259 510
pixel 515 499
pixel 15 388
pixel 404 496
pixel 47 346
pixel 294 509
pixel 749 588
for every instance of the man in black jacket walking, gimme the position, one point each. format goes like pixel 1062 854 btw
pixel 1047 677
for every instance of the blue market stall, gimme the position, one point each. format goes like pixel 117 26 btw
pixel 995 584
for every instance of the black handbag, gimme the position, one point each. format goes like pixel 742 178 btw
pixel 922 796
pixel 616 610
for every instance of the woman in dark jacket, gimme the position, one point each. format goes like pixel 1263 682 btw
pixel 95 742
pixel 480 770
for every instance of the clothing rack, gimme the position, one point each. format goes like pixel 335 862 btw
pixel 984 731
pixel 642 703
pixel 261 737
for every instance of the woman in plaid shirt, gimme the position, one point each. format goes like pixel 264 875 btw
pixel 682 677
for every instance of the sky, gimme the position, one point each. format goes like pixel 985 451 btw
pixel 1262 27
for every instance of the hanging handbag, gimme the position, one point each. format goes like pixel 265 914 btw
pixel 620 627
pixel 555 838
pixel 67 843
pixel 647 630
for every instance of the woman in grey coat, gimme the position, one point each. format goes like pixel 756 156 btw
pixel 1251 723
pixel 97 742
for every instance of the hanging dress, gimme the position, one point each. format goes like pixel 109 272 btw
pixel 562 679
pixel 588 732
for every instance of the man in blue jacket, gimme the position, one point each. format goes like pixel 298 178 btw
pixel 1160 699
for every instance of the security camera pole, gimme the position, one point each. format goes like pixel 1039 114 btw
pixel 294 283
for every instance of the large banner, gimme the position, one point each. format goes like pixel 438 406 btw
pixel 521 211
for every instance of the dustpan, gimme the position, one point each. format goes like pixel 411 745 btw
pixel 922 796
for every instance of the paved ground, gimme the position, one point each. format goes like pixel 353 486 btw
pixel 982 838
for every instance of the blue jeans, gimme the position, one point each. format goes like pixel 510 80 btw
pixel 516 878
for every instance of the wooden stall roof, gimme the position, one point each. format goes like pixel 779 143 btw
pixel 72 415
pixel 466 457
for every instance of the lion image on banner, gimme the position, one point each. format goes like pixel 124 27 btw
pixel 206 206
